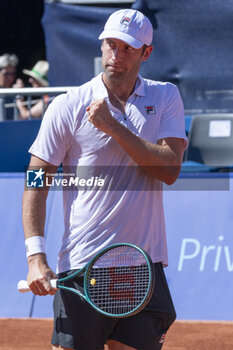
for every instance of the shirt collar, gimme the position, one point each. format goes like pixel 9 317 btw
pixel 139 87
pixel 100 91
pixel 98 87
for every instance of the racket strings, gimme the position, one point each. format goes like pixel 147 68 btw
pixel 118 282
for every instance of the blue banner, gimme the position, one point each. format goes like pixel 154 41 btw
pixel 192 47
pixel 200 243
pixel 200 240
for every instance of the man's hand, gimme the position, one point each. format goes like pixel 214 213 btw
pixel 161 161
pixel 99 115
pixel 39 275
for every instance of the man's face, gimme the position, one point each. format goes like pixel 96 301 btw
pixel 121 61
pixel 34 82
pixel 7 77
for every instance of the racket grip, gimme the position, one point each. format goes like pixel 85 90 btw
pixel 23 286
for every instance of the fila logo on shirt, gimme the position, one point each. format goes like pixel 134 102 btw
pixel 150 110
pixel 126 20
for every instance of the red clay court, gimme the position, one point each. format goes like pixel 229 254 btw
pixel 34 334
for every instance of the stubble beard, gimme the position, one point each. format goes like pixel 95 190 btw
pixel 114 75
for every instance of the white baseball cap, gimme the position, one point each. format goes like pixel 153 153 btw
pixel 130 26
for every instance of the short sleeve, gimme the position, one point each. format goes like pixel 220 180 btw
pixel 172 122
pixel 55 134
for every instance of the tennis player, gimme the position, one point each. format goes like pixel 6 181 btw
pixel 116 120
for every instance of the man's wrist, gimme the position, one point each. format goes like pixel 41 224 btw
pixel 35 245
pixel 37 260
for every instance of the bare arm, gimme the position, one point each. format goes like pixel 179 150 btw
pixel 34 112
pixel 24 113
pixel 34 213
pixel 162 161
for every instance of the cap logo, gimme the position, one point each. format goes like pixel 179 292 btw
pixel 126 20
pixel 150 110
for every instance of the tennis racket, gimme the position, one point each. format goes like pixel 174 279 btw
pixel 118 281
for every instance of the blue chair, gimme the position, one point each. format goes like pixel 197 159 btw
pixel 210 142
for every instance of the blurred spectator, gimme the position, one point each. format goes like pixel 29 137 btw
pixel 8 65
pixel 38 78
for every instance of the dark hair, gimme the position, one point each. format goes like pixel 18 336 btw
pixel 144 47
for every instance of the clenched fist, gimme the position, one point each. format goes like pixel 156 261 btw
pixel 99 115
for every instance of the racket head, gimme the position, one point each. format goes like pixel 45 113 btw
pixel 119 281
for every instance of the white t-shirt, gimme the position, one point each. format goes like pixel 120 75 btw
pixel 132 209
